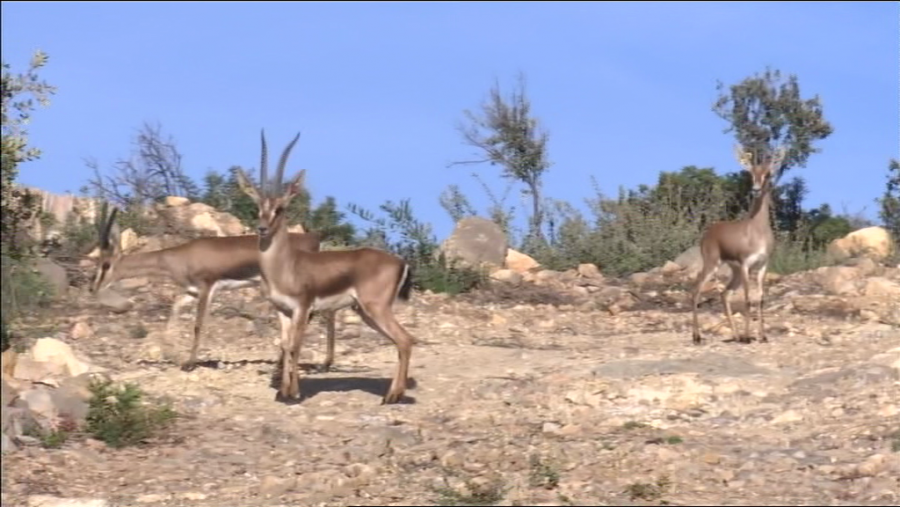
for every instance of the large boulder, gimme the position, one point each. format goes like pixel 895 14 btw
pixel 873 242
pixel 204 219
pixel 54 274
pixel 476 242
pixel 519 262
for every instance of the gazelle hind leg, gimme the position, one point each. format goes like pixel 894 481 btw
pixel 204 297
pixel 702 278
pixel 329 317
pixel 298 330
pixel 177 306
pixel 733 283
pixel 745 280
pixel 761 282
pixel 381 318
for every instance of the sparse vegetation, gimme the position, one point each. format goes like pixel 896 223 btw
pixel 119 416
pixel 54 438
pixel 475 492
pixel 543 474
pixel 895 440
pixel 647 490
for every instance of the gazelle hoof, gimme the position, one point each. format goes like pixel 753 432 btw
pixel 189 366
pixel 390 399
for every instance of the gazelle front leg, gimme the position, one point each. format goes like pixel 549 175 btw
pixel 329 317
pixel 291 385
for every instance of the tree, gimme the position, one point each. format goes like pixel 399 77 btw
pixel 890 203
pixel 151 173
pixel 765 110
pixel 506 134
pixel 19 94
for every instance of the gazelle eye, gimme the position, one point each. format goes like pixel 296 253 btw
pixel 105 266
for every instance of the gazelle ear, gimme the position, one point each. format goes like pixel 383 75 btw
pixel 244 183
pixel 296 185
pixel 744 157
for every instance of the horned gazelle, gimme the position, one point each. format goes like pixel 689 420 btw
pixel 745 245
pixel 366 279
pixel 200 267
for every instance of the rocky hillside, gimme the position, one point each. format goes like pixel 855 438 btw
pixel 548 388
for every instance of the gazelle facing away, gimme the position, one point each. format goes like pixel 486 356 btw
pixel 366 279
pixel 200 267
pixel 744 244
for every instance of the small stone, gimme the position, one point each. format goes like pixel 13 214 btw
pixel 711 458
pixel 551 427
pixel 360 471
pixel 193 495
pixel 788 416
pixel 152 498
pixel 272 486
pixel 53 501
pixel 114 301
pixel 81 330
pixel 452 459
pixel 872 465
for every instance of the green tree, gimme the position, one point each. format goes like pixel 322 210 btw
pixel 507 134
pixel 890 202
pixel 20 91
pixel 765 110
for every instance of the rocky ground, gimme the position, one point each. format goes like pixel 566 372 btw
pixel 523 396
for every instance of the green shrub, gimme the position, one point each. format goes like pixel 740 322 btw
pixel 118 416
pixel 22 290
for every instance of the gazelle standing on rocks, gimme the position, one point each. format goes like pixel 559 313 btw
pixel 200 267
pixel 366 279
pixel 745 245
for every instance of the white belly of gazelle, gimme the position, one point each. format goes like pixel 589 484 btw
pixel 328 303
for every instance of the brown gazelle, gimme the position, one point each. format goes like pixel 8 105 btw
pixel 200 267
pixel 366 279
pixel 745 245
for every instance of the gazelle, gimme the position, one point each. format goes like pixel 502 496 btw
pixel 744 244
pixel 200 267
pixel 366 279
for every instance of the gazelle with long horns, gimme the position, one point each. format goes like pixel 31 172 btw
pixel 366 279
pixel 745 245
pixel 201 267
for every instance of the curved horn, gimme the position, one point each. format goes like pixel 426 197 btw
pixel 279 174
pixel 263 163
pixel 107 228
pixel 100 218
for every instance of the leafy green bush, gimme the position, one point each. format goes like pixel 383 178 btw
pixel 419 247
pixel 22 290
pixel 118 416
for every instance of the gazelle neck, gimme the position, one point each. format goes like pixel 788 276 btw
pixel 277 244
pixel 140 264
pixel 759 209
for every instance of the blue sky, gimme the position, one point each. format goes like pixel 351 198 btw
pixel 624 88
